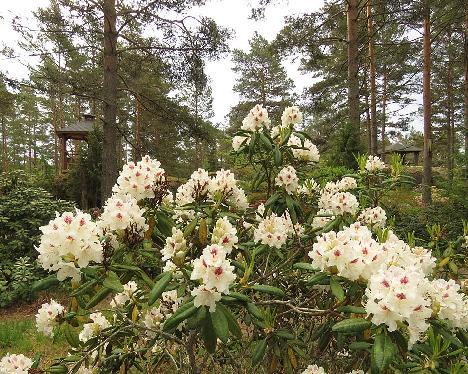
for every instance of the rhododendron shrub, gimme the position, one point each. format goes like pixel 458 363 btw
pixel 309 279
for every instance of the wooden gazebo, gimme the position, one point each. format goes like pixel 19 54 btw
pixel 403 150
pixel 78 131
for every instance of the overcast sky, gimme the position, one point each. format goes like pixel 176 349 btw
pixel 233 14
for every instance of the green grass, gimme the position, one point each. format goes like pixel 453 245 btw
pixel 19 335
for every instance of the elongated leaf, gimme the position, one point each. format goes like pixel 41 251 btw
pixel 352 309
pixel 45 283
pixel 208 334
pixel 240 297
pixel 100 295
pixel 304 266
pixel 352 325
pixel 254 311
pixel 277 157
pixel 164 223
pixel 336 289
pixel 112 281
pixel 268 289
pixel 383 351
pixel 220 324
pixel 203 232
pixel 319 278
pixel 266 142
pixel 190 227
pixel 291 209
pixel 70 335
pixel 259 352
pixel 181 314
pixel 159 287
pixel 232 323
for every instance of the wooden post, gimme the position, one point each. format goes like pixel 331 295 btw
pixel 63 151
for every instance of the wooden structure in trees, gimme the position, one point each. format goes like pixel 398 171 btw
pixel 403 150
pixel 79 132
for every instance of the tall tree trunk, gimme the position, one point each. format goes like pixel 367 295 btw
pixel 384 107
pixel 373 93
pixel 137 150
pixel 4 146
pixel 465 88
pixel 450 110
pixel 368 118
pixel 427 172
pixel 110 146
pixel 353 82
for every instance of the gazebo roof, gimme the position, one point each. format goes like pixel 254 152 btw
pixel 80 128
pixel 399 147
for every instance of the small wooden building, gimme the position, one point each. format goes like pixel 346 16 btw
pixel 403 150
pixel 78 132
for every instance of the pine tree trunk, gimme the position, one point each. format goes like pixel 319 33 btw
pixel 450 110
pixel 384 107
pixel 373 93
pixel 427 169
pixel 110 146
pixel 353 82
pixel 4 146
pixel 368 118
pixel 137 150
pixel 465 89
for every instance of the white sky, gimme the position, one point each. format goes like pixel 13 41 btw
pixel 233 14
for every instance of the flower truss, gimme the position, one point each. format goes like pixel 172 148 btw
pixel 204 279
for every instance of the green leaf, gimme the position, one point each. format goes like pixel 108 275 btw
pixel 203 232
pixel 285 334
pixel 112 281
pixel 291 208
pixel 197 318
pixel 159 287
pixel 254 311
pixel 277 157
pixel 190 227
pixel 352 325
pixel 356 346
pixel 336 289
pixel 164 223
pixel 231 320
pixel 220 324
pixel 100 295
pixel 319 278
pixel 268 289
pixel 266 142
pixel 351 309
pixel 70 335
pixel 181 314
pixel 45 283
pixel 240 296
pixel 208 335
pixel 304 266
pixel 273 198
pixel 382 354
pixel 259 352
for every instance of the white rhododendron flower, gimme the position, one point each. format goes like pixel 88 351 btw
pixel 272 231
pixel 224 233
pixel 352 252
pixel 214 269
pixel 256 119
pixel 339 203
pixel 322 218
pixel 288 179
pixel 155 317
pixel 122 297
pixel 94 328
pixel 373 217
pixel 141 179
pixel 291 115
pixel 395 295
pixel 174 244
pixel 15 364
pixel 448 302
pixel 223 182
pixel 239 141
pixel 346 184
pixel 309 188
pixel 69 242
pixel 46 317
pixel 123 213
pixel 305 152
pixel 205 296
pixel 238 199
pixel 374 163
pixel 314 369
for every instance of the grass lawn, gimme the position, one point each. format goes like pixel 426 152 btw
pixel 18 335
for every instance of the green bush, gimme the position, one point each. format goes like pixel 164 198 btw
pixel 23 209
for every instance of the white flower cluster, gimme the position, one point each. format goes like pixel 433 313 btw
pixel 141 179
pixel 94 328
pixel 239 141
pixel 69 242
pixel 373 217
pixel 374 163
pixel 15 364
pixel 288 179
pixel 216 273
pixel 307 152
pixel 334 201
pixel 256 119
pixel 175 244
pixel 273 231
pixel 224 233
pixel 291 115
pixel 46 317
pixel 322 218
pixel 155 317
pixel 123 213
pixel 396 294
pixel 309 188
pixel 122 297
